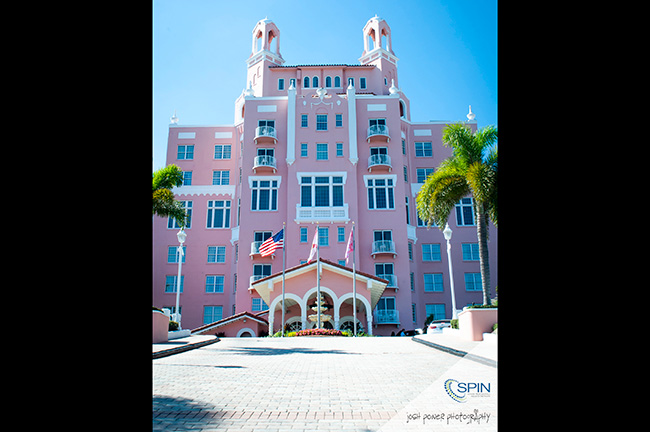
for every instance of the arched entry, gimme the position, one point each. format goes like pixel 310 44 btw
pixel 332 302
pixel 246 332
pixel 291 300
pixel 363 310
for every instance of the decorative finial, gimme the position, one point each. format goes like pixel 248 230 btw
pixel 249 91
pixel 173 119
pixel 393 89
pixel 471 116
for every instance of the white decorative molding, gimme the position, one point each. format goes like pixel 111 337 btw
pixel 422 132
pixel 223 134
pixel 205 190
pixel 267 108
pixel 376 107
pixel 186 135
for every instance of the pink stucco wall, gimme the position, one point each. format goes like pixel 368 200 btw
pixel 160 327
pixel 472 323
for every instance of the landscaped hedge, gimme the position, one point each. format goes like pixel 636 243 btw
pixel 319 332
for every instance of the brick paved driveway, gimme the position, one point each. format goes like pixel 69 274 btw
pixel 303 384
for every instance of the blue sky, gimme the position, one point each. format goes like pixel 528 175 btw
pixel 447 52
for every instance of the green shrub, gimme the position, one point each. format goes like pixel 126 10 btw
pixel 495 326
pixel 454 323
pixel 173 325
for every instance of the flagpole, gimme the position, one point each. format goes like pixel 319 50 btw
pixel 318 274
pixel 354 280
pixel 284 248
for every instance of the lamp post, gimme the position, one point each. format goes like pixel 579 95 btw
pixel 447 233
pixel 181 236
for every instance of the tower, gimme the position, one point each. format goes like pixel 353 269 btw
pixel 378 48
pixel 264 53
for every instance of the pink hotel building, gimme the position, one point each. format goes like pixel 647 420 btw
pixel 314 146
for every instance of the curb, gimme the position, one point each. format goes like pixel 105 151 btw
pixel 188 347
pixel 459 353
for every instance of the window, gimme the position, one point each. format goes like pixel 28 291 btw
pixel 431 252
pixel 187 178
pixel 385 271
pixel 328 81
pixel 170 284
pixel 212 314
pixel 314 82
pixel 260 236
pixel 342 263
pixel 306 82
pixel 410 251
pixel 412 281
pixel 362 83
pixel 464 212
pixel 261 271
pixel 214 284
pixel 340 234
pixel 339 120
pixel 433 282
pixel 337 81
pixel 259 305
pixel 268 123
pixel 321 122
pixel 173 223
pixel 304 122
pixel 472 282
pixel 403 147
pixel 321 191
pixel 435 309
pixel 185 152
pixel 216 254
pixel 323 236
pixel 406 174
pixel 172 254
pixel 470 252
pixel 423 149
pixel 413 312
pixel 423 173
pixel 381 193
pixel 221 177
pixel 264 195
pixel 321 151
pixel 339 149
pixel 280 83
pixel 218 214
pixel 222 151
pixel 303 150
pixel 303 234
pixel 386 303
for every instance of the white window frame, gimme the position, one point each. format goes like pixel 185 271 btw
pixel 211 214
pixel 213 286
pixel 258 187
pixel 424 148
pixel 221 177
pixel 430 252
pixel 460 212
pixel 386 186
pixel 434 282
pixel 216 253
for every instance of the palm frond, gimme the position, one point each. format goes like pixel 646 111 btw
pixel 440 193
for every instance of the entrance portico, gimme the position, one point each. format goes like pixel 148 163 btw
pixel 335 287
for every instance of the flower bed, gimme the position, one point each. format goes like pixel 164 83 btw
pixel 319 332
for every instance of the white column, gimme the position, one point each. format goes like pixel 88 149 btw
pixel 352 125
pixel 291 124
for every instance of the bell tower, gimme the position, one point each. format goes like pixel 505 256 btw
pixel 265 52
pixel 378 48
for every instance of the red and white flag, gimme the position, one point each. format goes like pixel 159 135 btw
pixel 350 248
pixel 314 247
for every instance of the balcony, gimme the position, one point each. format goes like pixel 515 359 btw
pixel 265 134
pixel 255 249
pixel 391 278
pixel 378 161
pixel 387 316
pixel 378 131
pixel 264 162
pixel 383 247
pixel 322 214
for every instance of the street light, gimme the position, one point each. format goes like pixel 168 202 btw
pixel 181 236
pixel 447 233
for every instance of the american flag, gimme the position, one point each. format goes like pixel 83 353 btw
pixel 272 243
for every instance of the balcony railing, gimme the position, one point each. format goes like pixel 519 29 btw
pixel 256 278
pixel 322 214
pixel 264 161
pixel 379 160
pixel 391 278
pixel 383 246
pixel 387 316
pixel 265 132
pixel 378 130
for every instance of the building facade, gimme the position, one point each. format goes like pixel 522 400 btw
pixel 315 146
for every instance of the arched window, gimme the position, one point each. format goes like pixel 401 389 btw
pixel 306 82
pixel 258 42
pixel 337 81
pixel 328 81
pixel 314 82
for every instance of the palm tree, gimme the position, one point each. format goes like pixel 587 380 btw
pixel 471 169
pixel 163 198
